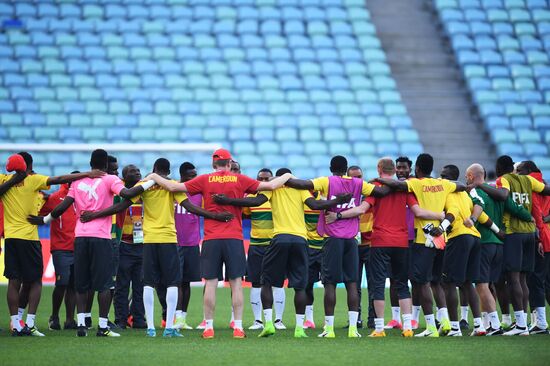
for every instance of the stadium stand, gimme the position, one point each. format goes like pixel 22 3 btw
pixel 280 82
pixel 503 48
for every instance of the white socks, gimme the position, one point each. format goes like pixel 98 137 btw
pixel 493 320
pixel 149 305
pixel 464 313
pixel 521 318
pixel 430 320
pixel 455 325
pixel 309 313
pixel 209 323
pixel 379 324
pixel 300 320
pixel 329 320
pixel 407 322
pixel 15 322
pixel 171 304
pixel 179 314
pixel 352 317
pixel 81 319
pixel 256 303
pixel 102 323
pixel 238 324
pixel 268 315
pixel 541 318
pixel 486 320
pixel 279 298
pixel 478 324
pixel 396 313
pixel 416 313
pixel 20 312
pixel 443 314
pixel 506 319
pixel 30 320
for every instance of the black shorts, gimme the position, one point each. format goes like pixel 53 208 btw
pixel 437 269
pixel 340 261
pixel 286 257
pixel 161 265
pixel 63 264
pixel 254 263
pixel 23 260
pixel 462 259
pixel 190 263
pixel 519 252
pixel 422 263
pixel 217 252
pixel 490 266
pixel 93 264
pixel 314 267
pixel 381 259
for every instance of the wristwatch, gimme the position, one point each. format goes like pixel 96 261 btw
pixel 339 216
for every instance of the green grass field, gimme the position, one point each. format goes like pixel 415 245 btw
pixel 63 347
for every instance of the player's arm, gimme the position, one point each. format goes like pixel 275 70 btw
pixel 424 214
pixel 68 178
pixel 300 184
pixel 138 189
pixel 222 199
pixel 460 187
pixel 87 216
pixel 326 204
pixel 517 210
pixel 486 221
pixel 167 184
pixel 393 184
pixel 275 183
pixel 330 217
pixel 546 219
pixel 381 191
pixel 498 194
pixel 17 178
pixel 56 212
pixel 218 216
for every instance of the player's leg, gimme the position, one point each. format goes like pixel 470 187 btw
pixel 82 282
pixel 528 266
pixel 274 271
pixel 472 275
pixel 314 270
pixel 122 286
pixel 170 276
pixel 422 260
pixel 59 290
pixel 211 270
pixel 102 282
pixel 489 271
pixel 89 305
pixel 297 271
pixel 235 266
pixel 536 295
pixel 400 271
pixel 464 309
pixel 513 259
pixel 333 251
pixel 395 321
pixel 442 315
pixel 350 263
pixel 115 250
pixel 137 308
pixel 253 273
pixel 279 296
pixel 378 264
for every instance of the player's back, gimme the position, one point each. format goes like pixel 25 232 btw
pixel 159 224
pixel 460 205
pixel 287 205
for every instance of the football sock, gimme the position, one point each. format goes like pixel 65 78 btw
pixel 379 324
pixel 300 320
pixel 279 298
pixel 455 325
pixel 430 320
pixel 352 316
pixel 309 313
pixel 102 323
pixel 407 322
pixel 209 323
pixel 478 324
pixel 464 313
pixel 541 318
pixel 520 318
pixel 149 305
pixel 329 321
pixel 256 303
pixel 81 319
pixel 396 313
pixel 15 322
pixel 20 312
pixel 493 320
pixel 238 324
pixel 30 320
pixel 416 313
pixel 268 315
pixel 171 304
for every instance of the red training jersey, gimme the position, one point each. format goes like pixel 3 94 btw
pixel 62 229
pixel 540 208
pixel 390 227
pixel 231 185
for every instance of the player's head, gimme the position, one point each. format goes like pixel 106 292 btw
pixel 424 165
pixel 504 165
pixel 386 167
pixel 264 175
pixel 187 171
pixel 161 167
pixel 403 167
pixel 450 172
pixel 355 172
pixel 131 175
pixel 221 160
pixel 28 159
pixel 527 167
pixel 112 165
pixel 282 171
pixel 99 160
pixel 338 165
pixel 475 173
pixel 235 167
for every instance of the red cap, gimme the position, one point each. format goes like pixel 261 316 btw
pixel 221 154
pixel 16 163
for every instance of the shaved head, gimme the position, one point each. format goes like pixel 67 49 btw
pixel 475 172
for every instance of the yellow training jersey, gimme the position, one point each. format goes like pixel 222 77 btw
pixel 288 211
pixel 159 225
pixel 311 217
pixel 431 194
pixel 460 205
pixel 261 222
pixel 21 201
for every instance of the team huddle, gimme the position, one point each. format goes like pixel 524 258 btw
pixel 475 244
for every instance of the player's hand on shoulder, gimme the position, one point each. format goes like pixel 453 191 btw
pixel 95 173
pixel 468 222
pixel 35 220
pixel 220 198
pixel 343 197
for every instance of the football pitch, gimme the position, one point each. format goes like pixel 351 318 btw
pixel 132 348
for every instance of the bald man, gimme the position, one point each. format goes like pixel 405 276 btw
pixel 491 244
